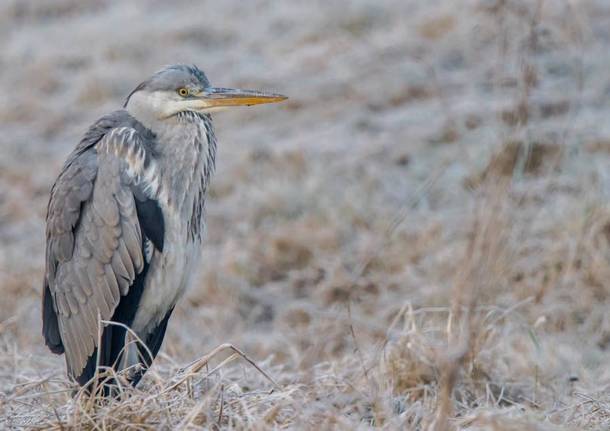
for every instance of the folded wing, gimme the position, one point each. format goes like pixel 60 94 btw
pixel 96 241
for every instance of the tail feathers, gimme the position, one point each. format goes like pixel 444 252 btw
pixel 50 327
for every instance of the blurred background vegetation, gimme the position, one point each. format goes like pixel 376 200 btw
pixel 419 237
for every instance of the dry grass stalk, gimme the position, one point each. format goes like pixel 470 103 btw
pixel 479 265
pixel 192 370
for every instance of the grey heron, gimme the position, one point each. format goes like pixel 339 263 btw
pixel 125 221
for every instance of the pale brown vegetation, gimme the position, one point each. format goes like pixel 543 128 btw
pixel 419 239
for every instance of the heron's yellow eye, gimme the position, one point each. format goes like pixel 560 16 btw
pixel 183 92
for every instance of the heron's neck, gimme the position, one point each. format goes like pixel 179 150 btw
pixel 186 151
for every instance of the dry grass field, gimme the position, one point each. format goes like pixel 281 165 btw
pixel 419 238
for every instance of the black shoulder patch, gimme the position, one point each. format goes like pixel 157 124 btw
pixel 151 221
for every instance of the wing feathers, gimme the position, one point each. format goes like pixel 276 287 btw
pixel 64 246
pixel 125 258
pixel 94 240
pixel 62 304
pixel 79 294
pixel 113 286
pixel 122 276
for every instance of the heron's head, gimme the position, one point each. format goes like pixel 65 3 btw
pixel 179 88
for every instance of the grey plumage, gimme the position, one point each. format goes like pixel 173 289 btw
pixel 125 219
pixel 95 242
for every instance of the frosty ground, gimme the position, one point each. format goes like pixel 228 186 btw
pixel 418 238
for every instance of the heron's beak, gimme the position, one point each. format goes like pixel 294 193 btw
pixel 220 97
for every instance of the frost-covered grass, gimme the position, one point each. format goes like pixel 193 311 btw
pixel 418 238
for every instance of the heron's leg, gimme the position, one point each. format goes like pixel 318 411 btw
pixel 153 345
